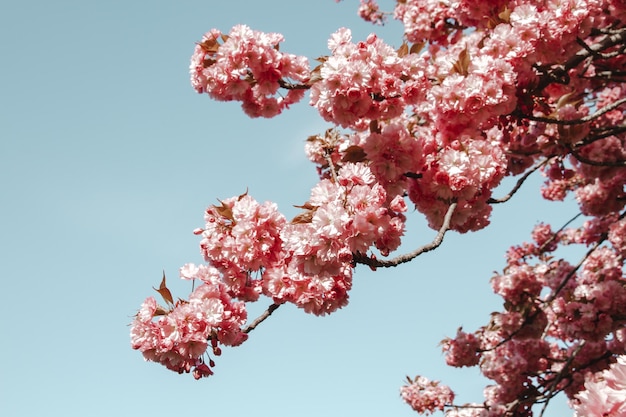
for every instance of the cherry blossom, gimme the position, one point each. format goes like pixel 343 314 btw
pixel 605 393
pixel 474 93
pixel 178 336
pixel 425 396
pixel 247 67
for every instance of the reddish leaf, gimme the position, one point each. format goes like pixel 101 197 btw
pixel 224 211
pixel 374 126
pixel 505 15
pixel 354 154
pixel 307 216
pixel 302 218
pixel 160 311
pixel 316 74
pixel 210 45
pixel 403 50
pixel 307 206
pixel 164 291
pixel 462 64
pixel 417 47
pixel 242 195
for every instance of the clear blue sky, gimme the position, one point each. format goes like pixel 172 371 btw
pixel 107 161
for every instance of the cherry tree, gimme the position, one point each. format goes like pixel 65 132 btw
pixel 477 91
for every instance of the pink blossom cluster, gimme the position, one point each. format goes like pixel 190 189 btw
pixel 370 12
pixel 365 81
pixel 465 170
pixel 240 238
pixel 549 25
pixel 475 88
pixel 432 172
pixel 552 311
pixel 251 250
pixel 341 218
pixel 463 350
pixel 248 67
pixel 425 396
pixel 425 20
pixel 604 394
pixel 178 337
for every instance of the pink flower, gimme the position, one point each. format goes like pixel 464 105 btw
pixel 463 350
pixel 360 82
pixel 242 236
pixel 247 67
pixel 178 337
pixel 604 394
pixel 370 12
pixel 425 396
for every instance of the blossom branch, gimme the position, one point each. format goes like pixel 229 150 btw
pixel 582 120
pixel 584 160
pixel 556 234
pixel 261 318
pixel 598 134
pixel 518 185
pixel 558 73
pixel 291 86
pixel 551 391
pixel 533 314
pixel 595 246
pixel 360 258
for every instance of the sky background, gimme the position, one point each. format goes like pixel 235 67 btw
pixel 108 159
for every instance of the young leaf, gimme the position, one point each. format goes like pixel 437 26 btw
pixel 403 50
pixel 224 211
pixel 164 291
pixel 417 47
pixel 306 216
pixel 354 154
pixel 462 64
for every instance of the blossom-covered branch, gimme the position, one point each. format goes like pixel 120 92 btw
pixel 437 241
pixel 474 92
pixel 261 318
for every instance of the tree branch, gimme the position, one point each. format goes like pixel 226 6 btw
pixel 598 134
pixel 569 276
pixel 580 121
pixel 558 73
pixel 291 86
pixel 261 318
pixel 518 185
pixel 360 258
pixel 584 160
pixel 552 390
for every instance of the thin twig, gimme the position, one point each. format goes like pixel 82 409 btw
pixel 574 270
pixel 261 318
pixel 291 86
pixel 360 258
pixel 584 160
pixel 550 390
pixel 518 184
pixel 596 245
pixel 555 234
pixel 580 121
pixel 558 72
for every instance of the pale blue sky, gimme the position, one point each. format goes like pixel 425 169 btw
pixel 107 161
